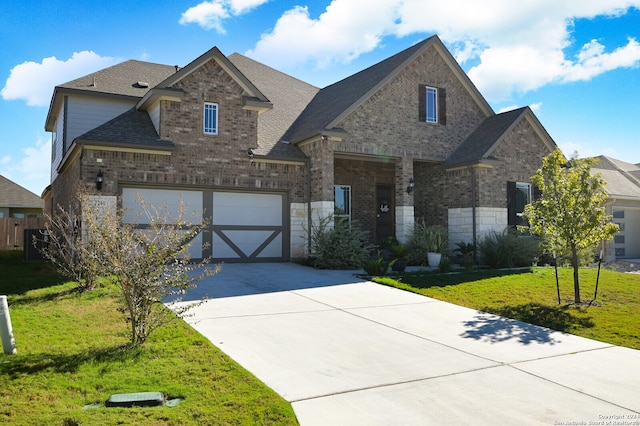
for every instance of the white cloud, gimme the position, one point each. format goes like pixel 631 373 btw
pixel 343 32
pixel 518 46
pixel 210 14
pixel 34 82
pixel 33 170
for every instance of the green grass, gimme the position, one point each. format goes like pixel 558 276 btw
pixel 531 296
pixel 72 352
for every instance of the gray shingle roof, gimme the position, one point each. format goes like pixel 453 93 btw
pixel 132 128
pixel 477 145
pixel 14 195
pixel 623 179
pixel 122 79
pixel 289 96
pixel 335 99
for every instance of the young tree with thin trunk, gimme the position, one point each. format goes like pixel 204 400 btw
pixel 149 264
pixel 570 213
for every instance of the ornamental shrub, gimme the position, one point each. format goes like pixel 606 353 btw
pixel 338 244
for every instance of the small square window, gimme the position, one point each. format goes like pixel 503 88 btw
pixel 210 118
pixel 620 252
pixel 618 214
pixel 619 239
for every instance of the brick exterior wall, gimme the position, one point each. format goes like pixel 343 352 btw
pixel 199 160
pixel 387 124
pixel 519 155
pixel 363 176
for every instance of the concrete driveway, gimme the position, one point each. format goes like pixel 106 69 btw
pixel 344 351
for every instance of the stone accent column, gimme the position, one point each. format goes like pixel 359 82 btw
pixel 320 152
pixel 405 213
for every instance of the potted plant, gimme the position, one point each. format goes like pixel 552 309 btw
pixel 399 253
pixel 436 244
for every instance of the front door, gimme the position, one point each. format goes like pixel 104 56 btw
pixel 385 212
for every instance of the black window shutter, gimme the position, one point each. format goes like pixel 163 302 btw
pixel 511 204
pixel 442 106
pixel 422 102
pixel 536 193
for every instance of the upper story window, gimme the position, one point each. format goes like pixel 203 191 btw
pixel 432 105
pixel 210 118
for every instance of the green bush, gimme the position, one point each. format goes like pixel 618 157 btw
pixel 426 239
pixel 509 248
pixel 377 265
pixel 338 244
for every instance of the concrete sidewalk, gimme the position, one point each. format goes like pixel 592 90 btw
pixel 348 352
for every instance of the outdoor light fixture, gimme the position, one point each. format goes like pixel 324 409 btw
pixel 99 180
pixel 410 187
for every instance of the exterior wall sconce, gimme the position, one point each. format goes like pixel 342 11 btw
pixel 410 187
pixel 99 180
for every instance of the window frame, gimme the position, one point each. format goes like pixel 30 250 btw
pixel 431 97
pixel 208 107
pixel 346 215
pixel 514 214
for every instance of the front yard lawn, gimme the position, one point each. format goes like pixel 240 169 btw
pixel 530 295
pixel 71 353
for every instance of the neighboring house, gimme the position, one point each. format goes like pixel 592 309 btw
pixel 18 202
pixel 261 155
pixel 623 186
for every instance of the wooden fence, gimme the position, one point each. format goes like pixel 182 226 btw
pixel 12 231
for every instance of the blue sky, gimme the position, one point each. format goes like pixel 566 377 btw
pixel 576 63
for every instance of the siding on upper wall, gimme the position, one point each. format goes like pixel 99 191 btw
pixel 154 114
pixel 86 113
pixel 57 144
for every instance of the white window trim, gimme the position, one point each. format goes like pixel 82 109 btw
pixel 204 121
pixel 428 90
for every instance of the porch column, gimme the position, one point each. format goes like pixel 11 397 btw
pixel 320 152
pixel 405 213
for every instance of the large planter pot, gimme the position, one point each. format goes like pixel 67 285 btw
pixel 434 259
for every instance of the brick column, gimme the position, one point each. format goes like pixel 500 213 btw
pixel 320 153
pixel 404 201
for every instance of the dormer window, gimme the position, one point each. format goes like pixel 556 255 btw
pixel 210 118
pixel 432 106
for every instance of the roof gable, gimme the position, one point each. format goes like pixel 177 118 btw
pixel 334 102
pixel 14 195
pixel 482 142
pixel 255 97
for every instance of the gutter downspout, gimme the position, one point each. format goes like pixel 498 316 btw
pixel 473 214
pixel 308 162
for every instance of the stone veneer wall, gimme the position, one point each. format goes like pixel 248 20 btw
pixel 461 223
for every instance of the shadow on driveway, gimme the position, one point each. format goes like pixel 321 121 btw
pixel 243 279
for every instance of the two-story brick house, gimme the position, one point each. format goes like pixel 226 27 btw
pixel 262 154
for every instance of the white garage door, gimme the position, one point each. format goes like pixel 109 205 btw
pixel 244 227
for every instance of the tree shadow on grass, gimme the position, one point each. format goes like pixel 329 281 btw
pixel 18 365
pixel 528 323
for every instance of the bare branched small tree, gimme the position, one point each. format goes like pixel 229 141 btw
pixel 149 263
